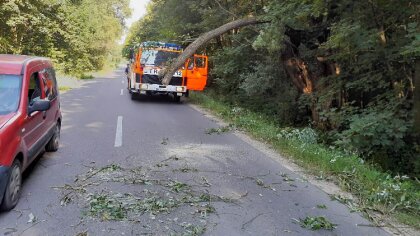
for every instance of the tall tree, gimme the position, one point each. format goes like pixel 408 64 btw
pixel 78 35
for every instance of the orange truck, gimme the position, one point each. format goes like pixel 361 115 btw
pixel 147 64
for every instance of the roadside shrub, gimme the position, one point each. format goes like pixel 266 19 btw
pixel 306 135
pixel 86 77
pixel 374 132
pixel 382 138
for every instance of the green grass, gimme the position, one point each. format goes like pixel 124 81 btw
pixel 321 206
pixel 86 77
pixel 64 88
pixel 316 223
pixel 397 197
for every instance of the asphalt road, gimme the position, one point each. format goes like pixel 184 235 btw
pixel 160 151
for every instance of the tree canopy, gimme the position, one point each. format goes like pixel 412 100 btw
pixel 78 35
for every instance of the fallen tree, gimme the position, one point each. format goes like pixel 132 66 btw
pixel 203 39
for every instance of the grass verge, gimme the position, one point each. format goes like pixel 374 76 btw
pixel 86 77
pixel 375 191
pixel 64 88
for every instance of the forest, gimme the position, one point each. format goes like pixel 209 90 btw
pixel 78 35
pixel 346 69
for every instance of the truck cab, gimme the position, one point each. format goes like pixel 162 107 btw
pixel 148 63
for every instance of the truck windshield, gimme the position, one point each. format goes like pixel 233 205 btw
pixel 157 58
pixel 9 93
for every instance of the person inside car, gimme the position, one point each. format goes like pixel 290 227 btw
pixel 34 88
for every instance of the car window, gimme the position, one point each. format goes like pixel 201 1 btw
pixel 34 91
pixel 50 83
pixel 9 93
pixel 200 62
pixel 191 63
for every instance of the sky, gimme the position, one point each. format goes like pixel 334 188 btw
pixel 138 8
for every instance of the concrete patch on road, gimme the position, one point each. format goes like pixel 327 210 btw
pixel 194 152
pixel 95 124
pixel 67 127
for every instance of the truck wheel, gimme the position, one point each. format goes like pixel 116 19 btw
pixel 14 184
pixel 54 143
pixel 134 96
pixel 177 98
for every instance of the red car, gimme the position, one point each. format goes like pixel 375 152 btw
pixel 30 119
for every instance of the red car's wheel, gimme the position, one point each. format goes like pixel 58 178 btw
pixel 14 185
pixel 54 142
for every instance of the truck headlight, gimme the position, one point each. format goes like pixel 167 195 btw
pixel 144 86
pixel 179 89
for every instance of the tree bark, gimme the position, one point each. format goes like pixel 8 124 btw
pixel 416 99
pixel 203 39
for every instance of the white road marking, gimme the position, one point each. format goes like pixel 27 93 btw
pixel 122 92
pixel 118 134
pixel 122 81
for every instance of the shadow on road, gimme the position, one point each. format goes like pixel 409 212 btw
pixel 159 99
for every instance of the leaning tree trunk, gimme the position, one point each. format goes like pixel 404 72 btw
pixel 416 99
pixel 203 39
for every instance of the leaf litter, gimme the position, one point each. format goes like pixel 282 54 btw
pixel 316 223
pixel 219 130
pixel 146 194
pixel 158 198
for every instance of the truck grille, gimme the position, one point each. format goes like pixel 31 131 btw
pixel 154 79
